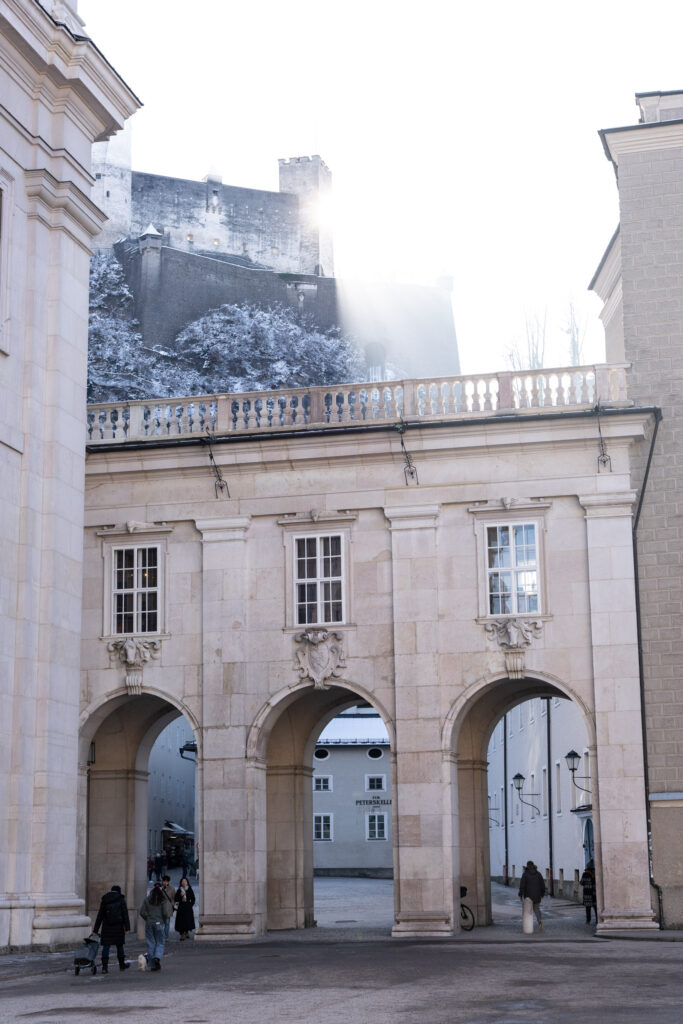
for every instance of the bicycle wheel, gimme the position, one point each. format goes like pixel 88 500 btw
pixel 466 918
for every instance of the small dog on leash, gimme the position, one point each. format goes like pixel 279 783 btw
pixel 142 962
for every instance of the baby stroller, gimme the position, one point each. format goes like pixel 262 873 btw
pixel 86 957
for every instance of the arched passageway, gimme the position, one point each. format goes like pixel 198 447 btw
pixel 116 740
pixel 282 743
pixel 467 734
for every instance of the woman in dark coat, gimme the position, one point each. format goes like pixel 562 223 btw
pixel 113 918
pixel 589 895
pixel 184 918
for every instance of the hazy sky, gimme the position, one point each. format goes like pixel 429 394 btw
pixel 462 136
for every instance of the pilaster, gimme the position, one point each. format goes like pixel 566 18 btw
pixel 618 783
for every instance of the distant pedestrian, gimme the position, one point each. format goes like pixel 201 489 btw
pixel 150 868
pixel 589 895
pixel 169 893
pixel 184 917
pixel 155 912
pixel 157 867
pixel 164 862
pixel 532 886
pixel 113 918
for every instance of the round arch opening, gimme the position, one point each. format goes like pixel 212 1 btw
pixel 116 740
pixel 468 733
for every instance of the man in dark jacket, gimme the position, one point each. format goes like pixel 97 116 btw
pixel 532 886
pixel 113 918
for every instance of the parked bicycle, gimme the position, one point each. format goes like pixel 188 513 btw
pixel 466 915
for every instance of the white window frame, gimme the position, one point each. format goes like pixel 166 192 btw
pixel 513 569
pixel 137 591
pixel 522 512
pixel 321 779
pixel 320 580
pixel 330 822
pixel 375 789
pixel 117 539
pixel 318 524
pixel 377 815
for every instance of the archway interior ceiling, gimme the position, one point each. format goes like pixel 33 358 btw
pixel 131 723
pixel 475 732
pixel 294 733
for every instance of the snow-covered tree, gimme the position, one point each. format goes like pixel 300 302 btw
pixel 243 348
pixel 118 366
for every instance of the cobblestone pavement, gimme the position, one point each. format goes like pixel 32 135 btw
pixel 349 969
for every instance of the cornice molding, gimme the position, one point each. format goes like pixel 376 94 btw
pixel 61 206
pixel 643 137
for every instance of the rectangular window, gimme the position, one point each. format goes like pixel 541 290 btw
pixel 376 782
pixel 512 569
pixel 322 784
pixel 376 826
pixel 135 590
pixel 502 807
pixel 322 827
pixel 544 792
pixel 558 788
pixel 318 579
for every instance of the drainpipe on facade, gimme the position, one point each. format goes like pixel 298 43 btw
pixel 506 872
pixel 550 796
pixel 641 670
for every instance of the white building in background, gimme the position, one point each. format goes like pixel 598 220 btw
pixel 171 789
pixel 546 816
pixel 352 824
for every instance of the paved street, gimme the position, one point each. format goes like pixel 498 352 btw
pixel 341 972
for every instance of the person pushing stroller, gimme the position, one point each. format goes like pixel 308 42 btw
pixel 113 918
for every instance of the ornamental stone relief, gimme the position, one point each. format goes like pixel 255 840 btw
pixel 513 636
pixel 319 656
pixel 134 653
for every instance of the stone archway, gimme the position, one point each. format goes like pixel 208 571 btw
pixel 280 749
pixel 115 742
pixel 466 734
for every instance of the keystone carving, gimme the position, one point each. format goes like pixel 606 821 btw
pixel 134 654
pixel 514 636
pixel 320 656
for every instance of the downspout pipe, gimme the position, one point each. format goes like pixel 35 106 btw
pixel 551 866
pixel 641 666
pixel 505 799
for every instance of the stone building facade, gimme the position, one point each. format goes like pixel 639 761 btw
pixel 317 564
pixel 57 95
pixel 640 280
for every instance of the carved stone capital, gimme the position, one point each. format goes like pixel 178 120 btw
pixel 134 653
pixel 319 656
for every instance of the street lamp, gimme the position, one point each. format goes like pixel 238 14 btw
pixel 518 781
pixel 573 760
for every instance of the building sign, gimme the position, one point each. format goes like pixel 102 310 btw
pixel 373 802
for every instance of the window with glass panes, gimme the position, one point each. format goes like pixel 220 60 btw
pixel 136 590
pixel 512 567
pixel 376 826
pixel 322 783
pixel 374 782
pixel 318 578
pixel 322 827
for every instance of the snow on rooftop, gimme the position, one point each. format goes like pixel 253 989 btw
pixel 355 727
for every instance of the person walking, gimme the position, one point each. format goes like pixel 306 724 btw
pixel 169 893
pixel 155 912
pixel 185 901
pixel 112 918
pixel 532 886
pixel 150 867
pixel 589 895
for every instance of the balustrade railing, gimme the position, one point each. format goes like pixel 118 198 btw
pixel 510 392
